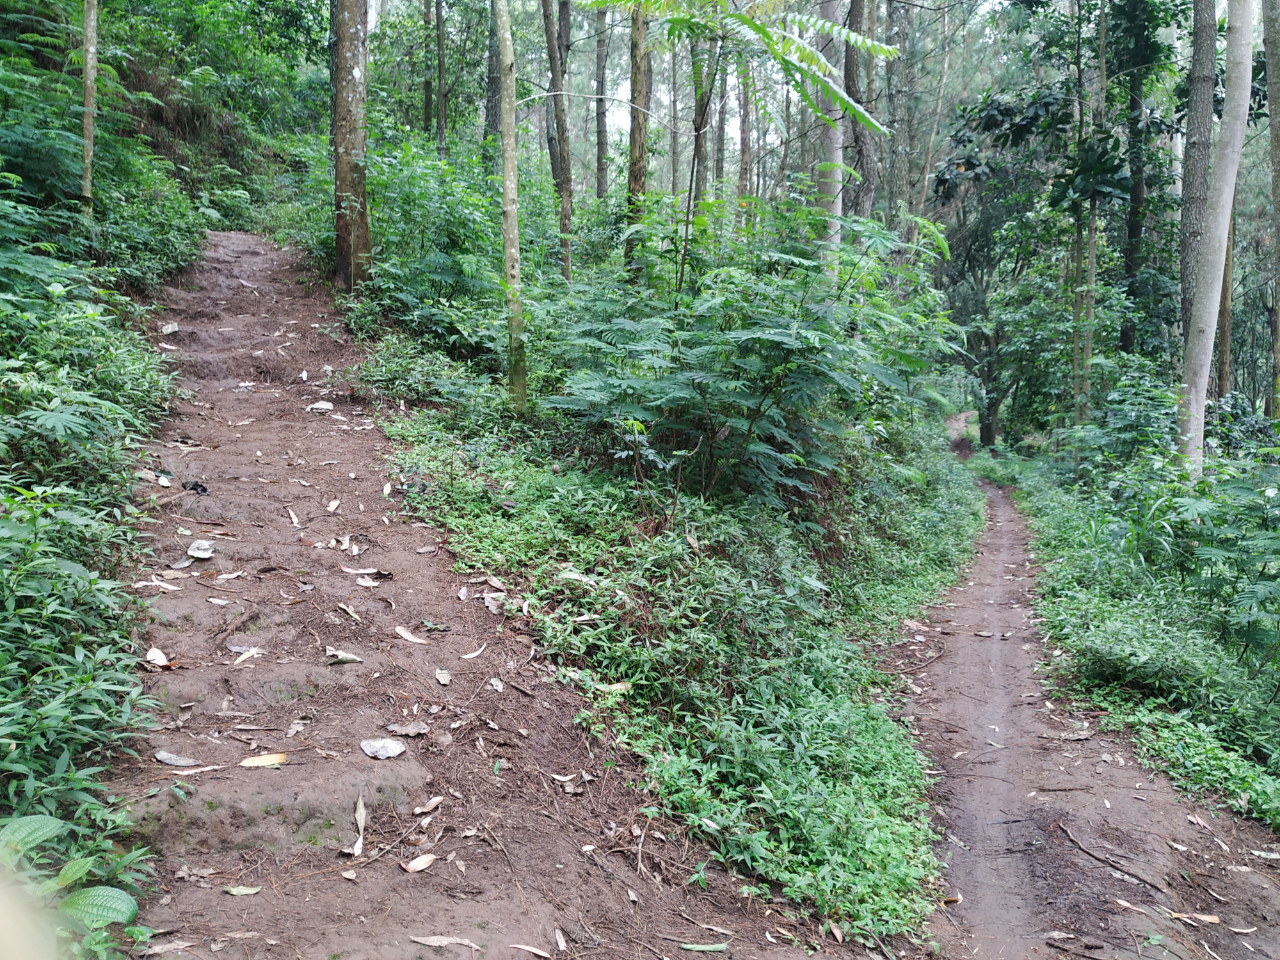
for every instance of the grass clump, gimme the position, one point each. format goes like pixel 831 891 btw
pixel 1151 651
pixel 730 624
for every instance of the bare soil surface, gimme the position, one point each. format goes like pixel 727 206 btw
pixel 1057 841
pixel 535 828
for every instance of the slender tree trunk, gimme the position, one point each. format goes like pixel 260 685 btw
pixel 705 63
pixel 1212 253
pixel 831 149
pixel 1195 167
pixel 90 103
pixel 428 81
pixel 745 161
pixel 859 145
pixel 899 85
pixel 492 94
pixel 675 122
pixel 1271 30
pixel 517 370
pixel 937 115
pixel 780 178
pixel 1090 302
pixel 722 119
pixel 558 146
pixel 350 67
pixel 1137 197
pixel 602 106
pixel 1077 310
pixel 1224 317
pixel 638 151
pixel 442 87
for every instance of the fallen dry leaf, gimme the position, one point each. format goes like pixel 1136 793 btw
pixel 361 571
pixel 333 505
pixel 428 806
pixel 443 676
pixel 408 635
pixel 156 655
pixel 242 891
pixel 418 864
pixel 174 760
pixel 474 654
pixel 534 950
pixel 443 942
pixel 265 760
pixel 348 874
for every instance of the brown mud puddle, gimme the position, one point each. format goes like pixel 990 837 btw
pixel 535 828
pixel 1057 841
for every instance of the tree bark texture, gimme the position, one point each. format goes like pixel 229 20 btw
pixel 705 62
pixel 442 87
pixel 831 141
pixel 722 118
pixel 90 102
pixel 1224 317
pixel 558 148
pixel 745 160
pixel 1195 165
pixel 428 78
pixel 638 151
pixel 859 145
pixel 1212 254
pixel 1271 33
pixel 517 369
pixel 674 119
pixel 492 93
pixel 899 84
pixel 602 105
pixel 350 67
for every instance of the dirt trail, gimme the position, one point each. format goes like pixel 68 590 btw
pixel 535 827
pixel 1027 788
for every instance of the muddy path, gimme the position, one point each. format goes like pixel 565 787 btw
pixel 299 635
pixel 1057 841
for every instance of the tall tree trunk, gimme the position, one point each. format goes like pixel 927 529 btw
pixel 705 63
pixel 937 116
pixel 831 149
pixel 1224 316
pixel 780 178
pixel 1091 290
pixel 350 68
pixel 898 80
pixel 859 145
pixel 638 151
pixel 442 88
pixel 745 161
pixel 1212 253
pixel 517 369
pixel 1137 197
pixel 1271 31
pixel 1077 311
pixel 1195 167
pixel 90 102
pixel 492 94
pixel 558 147
pixel 428 77
pixel 674 87
pixel 602 106
pixel 722 119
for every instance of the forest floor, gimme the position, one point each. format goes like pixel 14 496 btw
pixel 536 828
pixel 1057 841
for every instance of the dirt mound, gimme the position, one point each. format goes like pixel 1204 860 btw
pixel 322 620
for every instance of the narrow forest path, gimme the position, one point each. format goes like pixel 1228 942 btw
pixel 291 639
pixel 1057 841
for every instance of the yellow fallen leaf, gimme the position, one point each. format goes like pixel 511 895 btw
pixel 265 760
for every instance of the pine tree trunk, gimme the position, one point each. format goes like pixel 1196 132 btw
pixel 517 369
pixel 1195 167
pixel 1271 31
pixel 1224 317
pixel 602 107
pixel 492 94
pixel 704 78
pixel 831 149
pixel 1212 253
pixel 558 146
pixel 90 103
pixel 674 87
pixel 899 88
pixel 350 67
pixel 638 151
pixel 428 83
pixel 722 119
pixel 859 145
pixel 442 88
pixel 745 161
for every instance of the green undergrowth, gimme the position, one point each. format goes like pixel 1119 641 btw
pixel 728 626
pixel 1145 647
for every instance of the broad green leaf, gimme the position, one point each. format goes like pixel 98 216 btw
pixel 23 835
pixel 99 906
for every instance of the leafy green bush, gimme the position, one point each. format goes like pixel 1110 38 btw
pixel 728 628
